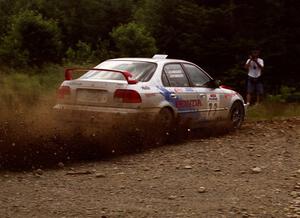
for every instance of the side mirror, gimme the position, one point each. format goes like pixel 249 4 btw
pixel 218 83
pixel 214 84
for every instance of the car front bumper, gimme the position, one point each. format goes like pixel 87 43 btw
pixel 246 106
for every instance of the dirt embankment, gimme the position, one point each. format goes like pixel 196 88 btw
pixel 254 172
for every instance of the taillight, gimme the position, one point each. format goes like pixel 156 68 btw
pixel 128 96
pixel 63 92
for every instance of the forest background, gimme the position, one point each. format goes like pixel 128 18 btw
pixel 40 37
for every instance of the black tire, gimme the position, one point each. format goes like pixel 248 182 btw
pixel 166 121
pixel 237 115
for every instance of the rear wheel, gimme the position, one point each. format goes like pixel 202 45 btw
pixel 162 129
pixel 166 120
pixel 237 115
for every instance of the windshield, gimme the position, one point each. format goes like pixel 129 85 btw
pixel 141 71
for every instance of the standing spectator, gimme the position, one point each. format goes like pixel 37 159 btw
pixel 254 65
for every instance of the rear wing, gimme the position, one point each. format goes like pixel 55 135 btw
pixel 127 75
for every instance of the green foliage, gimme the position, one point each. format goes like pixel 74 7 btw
pixel 236 78
pixel 286 91
pixel 23 88
pixel 271 110
pixel 85 20
pixel 31 40
pixel 5 13
pixel 13 90
pixel 160 18
pixel 82 53
pixel 287 94
pixel 133 40
pixel 102 51
pixel 217 35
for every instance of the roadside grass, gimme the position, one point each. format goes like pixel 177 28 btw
pixel 28 87
pixel 272 110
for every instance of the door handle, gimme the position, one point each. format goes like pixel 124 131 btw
pixel 172 95
pixel 202 95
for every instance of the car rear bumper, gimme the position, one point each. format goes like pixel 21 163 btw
pixel 94 114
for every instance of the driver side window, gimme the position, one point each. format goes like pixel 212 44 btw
pixel 196 75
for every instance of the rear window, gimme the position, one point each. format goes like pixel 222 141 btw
pixel 175 75
pixel 141 71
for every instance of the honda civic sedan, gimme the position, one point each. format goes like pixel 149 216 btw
pixel 167 92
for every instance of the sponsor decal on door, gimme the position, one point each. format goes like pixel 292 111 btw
pixel 213 101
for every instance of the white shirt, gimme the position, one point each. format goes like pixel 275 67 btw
pixel 254 70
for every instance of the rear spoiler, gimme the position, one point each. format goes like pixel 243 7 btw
pixel 127 75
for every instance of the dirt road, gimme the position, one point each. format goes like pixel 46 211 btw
pixel 254 172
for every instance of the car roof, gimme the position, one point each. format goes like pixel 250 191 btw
pixel 152 60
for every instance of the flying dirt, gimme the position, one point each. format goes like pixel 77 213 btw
pixel 37 137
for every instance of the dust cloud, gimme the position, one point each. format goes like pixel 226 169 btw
pixel 37 136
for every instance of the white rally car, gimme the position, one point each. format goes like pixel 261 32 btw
pixel 167 91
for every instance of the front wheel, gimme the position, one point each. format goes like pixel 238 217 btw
pixel 237 115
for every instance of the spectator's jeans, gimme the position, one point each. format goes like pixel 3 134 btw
pixel 255 85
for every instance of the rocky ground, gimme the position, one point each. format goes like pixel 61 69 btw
pixel 253 172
